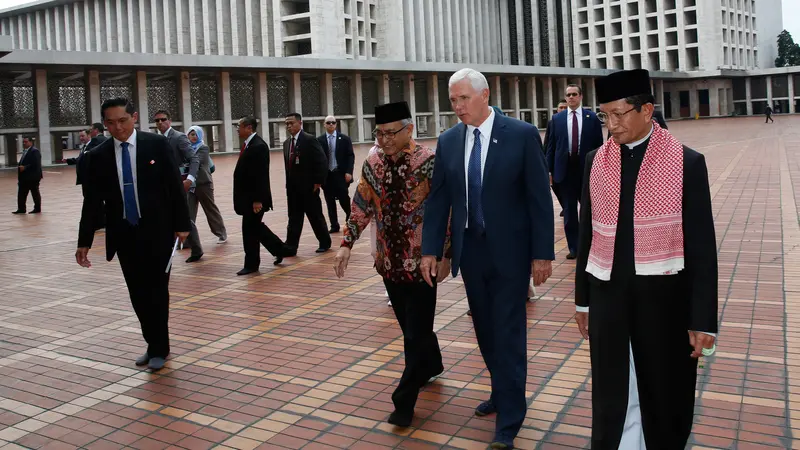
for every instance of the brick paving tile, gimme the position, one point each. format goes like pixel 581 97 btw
pixel 295 358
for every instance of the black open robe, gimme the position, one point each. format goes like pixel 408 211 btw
pixel 651 315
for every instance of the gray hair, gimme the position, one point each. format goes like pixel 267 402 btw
pixel 406 122
pixel 476 79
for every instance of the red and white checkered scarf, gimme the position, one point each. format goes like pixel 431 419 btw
pixel 657 207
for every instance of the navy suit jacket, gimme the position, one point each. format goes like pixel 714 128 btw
pixel 558 142
pixel 517 206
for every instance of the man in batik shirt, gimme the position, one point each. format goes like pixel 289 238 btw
pixel 394 186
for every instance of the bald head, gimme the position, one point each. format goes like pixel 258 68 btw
pixel 330 124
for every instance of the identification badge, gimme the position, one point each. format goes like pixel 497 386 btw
pixel 297 160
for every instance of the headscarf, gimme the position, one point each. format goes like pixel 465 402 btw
pixel 199 132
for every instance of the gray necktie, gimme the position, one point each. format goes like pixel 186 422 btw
pixel 332 148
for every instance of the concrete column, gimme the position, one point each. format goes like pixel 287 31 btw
pixel 295 96
pixel 769 90
pixel 548 93
pixel 141 100
pixel 713 101
pixel 411 98
pixel 383 88
pixel 505 32
pixel 532 101
pixel 44 143
pixel 327 93
pixel 562 87
pixel 226 130
pixel 515 97
pixel 496 93
pixel 694 102
pixel 748 96
pixel 790 80
pixel 660 98
pixel 592 94
pixel 277 28
pixel 185 99
pixel 359 133
pixel 433 102
pixel 262 106
pixel 676 103
pixel 94 96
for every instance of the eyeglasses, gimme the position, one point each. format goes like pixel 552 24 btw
pixel 160 120
pixel 331 122
pixel 572 94
pixel 378 134
pixel 604 117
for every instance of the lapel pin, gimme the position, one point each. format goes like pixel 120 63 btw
pixel 494 141
pixel 152 161
pixel 587 116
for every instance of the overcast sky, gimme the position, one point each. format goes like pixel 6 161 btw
pixel 791 14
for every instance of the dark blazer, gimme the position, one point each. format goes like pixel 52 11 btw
pixel 517 206
pixel 312 165
pixel 251 178
pixel 184 155
pixel 558 149
pixel 97 140
pixel 345 157
pixel 32 161
pixel 162 204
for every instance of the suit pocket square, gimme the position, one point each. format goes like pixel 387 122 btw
pixel 152 161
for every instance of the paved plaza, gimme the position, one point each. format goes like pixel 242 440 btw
pixel 295 358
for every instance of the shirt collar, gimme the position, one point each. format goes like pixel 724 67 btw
pixel 578 109
pixel 297 136
pixel 486 126
pixel 331 134
pixel 641 141
pixel 166 133
pixel 131 140
pixel 249 138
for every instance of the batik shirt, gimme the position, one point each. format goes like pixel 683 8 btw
pixel 394 193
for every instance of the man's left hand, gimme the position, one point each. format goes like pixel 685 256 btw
pixel 182 235
pixel 348 178
pixel 443 269
pixel 541 270
pixel 700 341
pixel 187 184
pixel 22 168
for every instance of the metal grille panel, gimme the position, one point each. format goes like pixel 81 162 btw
pixel 205 100
pixel 310 96
pixel 397 90
pixel 278 96
pixel 67 99
pixel 544 40
pixel 113 87
pixel 421 94
pixel 527 23
pixel 371 95
pixel 505 94
pixel 243 97
pixel 17 103
pixel 512 32
pixel 342 104
pixel 162 93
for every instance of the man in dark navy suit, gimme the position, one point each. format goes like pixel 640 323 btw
pixel 491 172
pixel 339 149
pixel 29 175
pixel 133 179
pixel 574 133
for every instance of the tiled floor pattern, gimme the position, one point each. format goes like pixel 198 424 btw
pixel 294 358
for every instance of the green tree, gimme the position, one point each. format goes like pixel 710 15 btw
pixel 788 51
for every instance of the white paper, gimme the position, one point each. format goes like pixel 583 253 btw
pixel 174 249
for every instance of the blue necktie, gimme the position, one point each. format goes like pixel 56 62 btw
pixel 474 184
pixel 332 162
pixel 129 193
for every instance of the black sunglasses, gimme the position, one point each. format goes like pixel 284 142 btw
pixel 331 122
pixel 160 120
pixel 573 94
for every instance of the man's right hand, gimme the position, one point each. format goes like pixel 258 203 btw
pixel 551 179
pixel 582 319
pixel 428 266
pixel 257 207
pixel 82 257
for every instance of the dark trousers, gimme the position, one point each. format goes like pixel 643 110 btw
pixel 336 189
pixel 255 234
pixel 193 241
pixel 497 301
pixel 769 118
pixel 304 201
pixel 143 258
pixel 414 306
pixel 569 193
pixel 22 195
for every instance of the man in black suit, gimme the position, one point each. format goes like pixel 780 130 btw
pixel 145 209
pixel 339 149
pixel 188 164
pixel 306 172
pixel 97 135
pixel 29 175
pixel 252 197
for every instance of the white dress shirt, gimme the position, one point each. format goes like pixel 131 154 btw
pixel 570 117
pixel 132 151
pixel 247 141
pixel 486 134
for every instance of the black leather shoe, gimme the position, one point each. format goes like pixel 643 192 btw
pixel 194 258
pixel 36 211
pixel 18 212
pixel 323 249
pixel 246 271
pixel 289 252
pixel 571 256
pixel 278 260
pixel 400 420
pixel 333 230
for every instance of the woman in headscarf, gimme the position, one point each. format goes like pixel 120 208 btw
pixel 202 191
